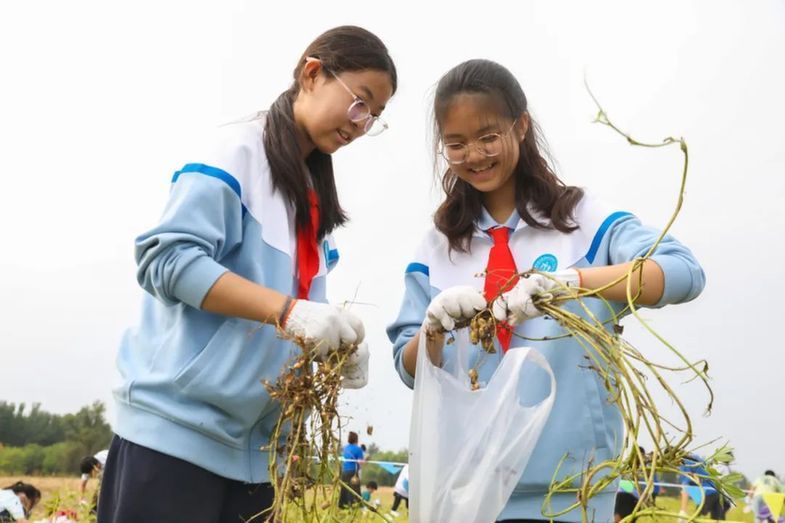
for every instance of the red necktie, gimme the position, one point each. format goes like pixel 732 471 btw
pixel 500 276
pixel 307 249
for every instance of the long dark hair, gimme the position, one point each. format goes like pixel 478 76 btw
pixel 32 493
pixel 345 48
pixel 535 182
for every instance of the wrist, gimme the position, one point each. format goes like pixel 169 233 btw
pixel 434 345
pixel 569 277
pixel 433 332
pixel 286 311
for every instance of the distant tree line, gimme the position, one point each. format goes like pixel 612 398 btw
pixel 36 442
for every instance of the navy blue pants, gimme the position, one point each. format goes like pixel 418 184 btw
pixel 140 484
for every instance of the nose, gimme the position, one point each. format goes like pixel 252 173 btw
pixel 474 153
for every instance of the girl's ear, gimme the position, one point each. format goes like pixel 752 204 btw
pixel 523 126
pixel 310 73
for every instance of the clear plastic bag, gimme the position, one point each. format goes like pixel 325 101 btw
pixel 468 449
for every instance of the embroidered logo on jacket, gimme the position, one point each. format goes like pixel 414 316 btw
pixel 546 263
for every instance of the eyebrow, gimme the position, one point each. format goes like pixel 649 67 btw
pixel 367 91
pixel 369 95
pixel 482 131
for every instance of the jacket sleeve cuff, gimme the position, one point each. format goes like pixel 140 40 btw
pixel 196 280
pixel 403 339
pixel 678 282
pixel 407 378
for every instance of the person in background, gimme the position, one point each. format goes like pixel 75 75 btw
pixel 694 465
pixel 626 501
pixel 17 502
pixel 350 471
pixel 401 490
pixel 91 467
pixel 724 469
pixel 370 489
pixel 768 483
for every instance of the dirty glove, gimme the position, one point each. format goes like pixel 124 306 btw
pixel 517 305
pixel 325 327
pixel 355 368
pixel 454 304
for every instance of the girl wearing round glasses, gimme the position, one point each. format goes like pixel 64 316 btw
pixel 244 241
pixel 505 212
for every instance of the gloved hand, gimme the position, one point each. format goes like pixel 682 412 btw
pixel 454 304
pixel 683 516
pixel 325 327
pixel 355 368
pixel 517 305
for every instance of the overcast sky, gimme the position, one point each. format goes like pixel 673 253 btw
pixel 99 99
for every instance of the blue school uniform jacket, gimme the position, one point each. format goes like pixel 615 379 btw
pixel 583 425
pixel 192 380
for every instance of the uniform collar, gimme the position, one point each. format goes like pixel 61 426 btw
pixel 486 221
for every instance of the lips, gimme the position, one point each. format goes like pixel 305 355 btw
pixel 343 136
pixel 480 170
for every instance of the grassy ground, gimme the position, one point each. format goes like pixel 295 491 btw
pixel 53 489
pixel 63 493
pixel 65 490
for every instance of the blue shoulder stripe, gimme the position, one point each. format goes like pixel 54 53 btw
pixel 215 172
pixel 418 267
pixel 595 243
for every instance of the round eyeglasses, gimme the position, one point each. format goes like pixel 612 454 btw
pixel 488 145
pixel 359 111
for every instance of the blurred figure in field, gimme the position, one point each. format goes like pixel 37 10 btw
pixel 401 490
pixel 17 501
pixel 768 483
pixel 91 467
pixel 353 455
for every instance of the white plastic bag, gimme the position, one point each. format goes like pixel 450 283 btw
pixel 468 449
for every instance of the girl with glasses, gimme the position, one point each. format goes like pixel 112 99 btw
pixel 242 249
pixel 505 212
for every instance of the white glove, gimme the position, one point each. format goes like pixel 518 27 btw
pixel 323 326
pixel 355 368
pixel 517 305
pixel 682 516
pixel 453 304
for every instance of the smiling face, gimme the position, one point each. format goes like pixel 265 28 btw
pixel 321 107
pixel 471 120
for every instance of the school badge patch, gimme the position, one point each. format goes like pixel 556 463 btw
pixel 546 263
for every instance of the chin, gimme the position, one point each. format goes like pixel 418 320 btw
pixel 327 147
pixel 484 186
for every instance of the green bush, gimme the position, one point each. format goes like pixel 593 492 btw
pixel 37 442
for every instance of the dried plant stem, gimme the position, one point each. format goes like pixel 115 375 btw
pixel 305 444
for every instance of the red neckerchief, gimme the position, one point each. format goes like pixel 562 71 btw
pixel 308 249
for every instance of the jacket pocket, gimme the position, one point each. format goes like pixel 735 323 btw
pixel 224 381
